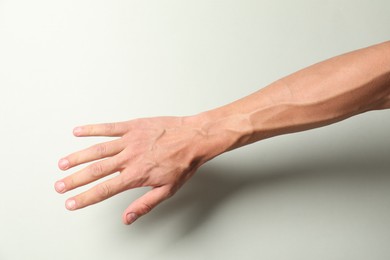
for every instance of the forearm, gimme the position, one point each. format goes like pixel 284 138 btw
pixel 316 96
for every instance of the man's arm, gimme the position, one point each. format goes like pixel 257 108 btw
pixel 321 94
pixel 164 152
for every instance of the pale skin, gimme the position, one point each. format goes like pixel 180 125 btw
pixel 164 152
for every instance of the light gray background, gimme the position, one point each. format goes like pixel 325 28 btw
pixel 322 194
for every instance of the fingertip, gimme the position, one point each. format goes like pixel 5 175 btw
pixel 77 131
pixel 129 218
pixel 59 186
pixel 124 218
pixel 63 164
pixel 144 204
pixel 70 204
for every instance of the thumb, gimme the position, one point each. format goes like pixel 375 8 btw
pixel 145 204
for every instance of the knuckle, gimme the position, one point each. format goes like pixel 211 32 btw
pixel 96 170
pixel 120 159
pixel 103 191
pixel 100 149
pixel 110 127
pixel 145 208
pixel 126 179
pixel 130 181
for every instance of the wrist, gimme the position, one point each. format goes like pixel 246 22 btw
pixel 222 131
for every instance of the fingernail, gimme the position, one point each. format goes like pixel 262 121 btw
pixel 77 131
pixel 63 164
pixel 59 186
pixel 131 217
pixel 70 204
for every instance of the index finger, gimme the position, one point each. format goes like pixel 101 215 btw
pixel 106 129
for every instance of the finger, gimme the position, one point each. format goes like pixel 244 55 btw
pixel 87 175
pixel 145 204
pixel 98 193
pixel 107 129
pixel 92 153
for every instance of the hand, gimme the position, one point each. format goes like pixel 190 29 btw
pixel 161 152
